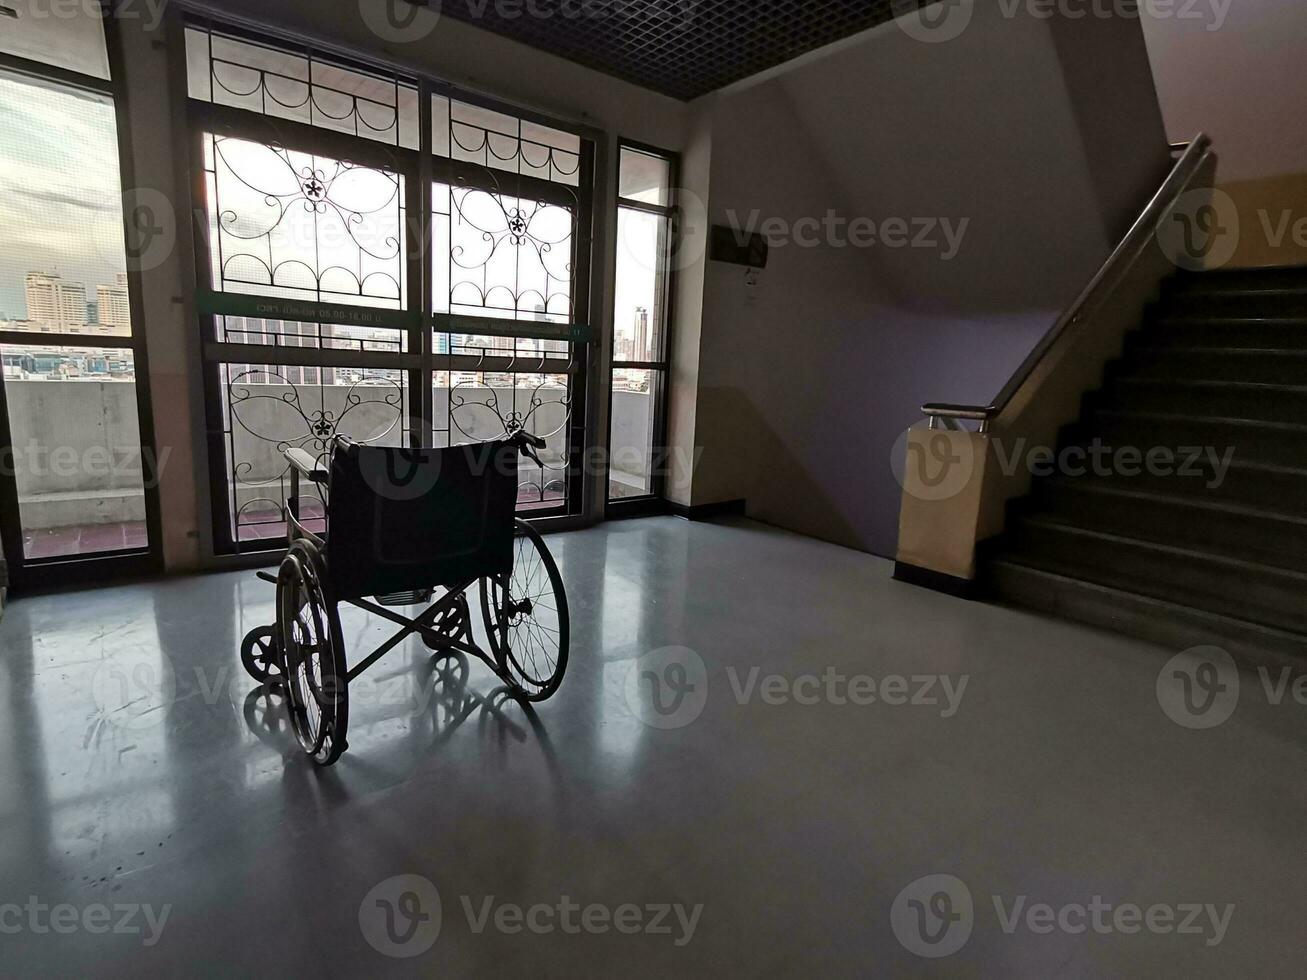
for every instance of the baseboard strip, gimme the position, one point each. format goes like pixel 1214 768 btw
pixel 706 512
pixel 962 588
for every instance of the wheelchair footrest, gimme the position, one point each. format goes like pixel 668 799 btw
pixel 413 598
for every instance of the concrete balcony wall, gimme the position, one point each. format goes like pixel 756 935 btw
pixel 632 436
pixel 266 423
pixel 77 458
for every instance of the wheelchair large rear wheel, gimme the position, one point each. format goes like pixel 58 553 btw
pixel 526 618
pixel 314 655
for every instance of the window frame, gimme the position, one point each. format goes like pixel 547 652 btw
pixel 69 570
pixel 654 502
pixel 420 362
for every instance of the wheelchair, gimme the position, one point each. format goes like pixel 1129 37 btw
pixel 403 525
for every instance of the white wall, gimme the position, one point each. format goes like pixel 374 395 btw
pixel 1241 78
pixel 1237 69
pixel 807 380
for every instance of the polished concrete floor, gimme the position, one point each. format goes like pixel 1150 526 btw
pixel 780 821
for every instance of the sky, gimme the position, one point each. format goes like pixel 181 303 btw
pixel 60 192
pixel 637 251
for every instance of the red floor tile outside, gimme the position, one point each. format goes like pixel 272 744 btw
pixel 88 539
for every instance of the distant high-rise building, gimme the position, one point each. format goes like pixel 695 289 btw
pixel 113 307
pixel 55 302
pixel 278 333
pixel 640 342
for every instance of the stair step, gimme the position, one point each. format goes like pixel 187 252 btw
pixel 1170 624
pixel 1222 280
pixel 1242 332
pixel 1251 440
pixel 1228 586
pixel 1248 302
pixel 1226 399
pixel 1185 520
pixel 1188 546
pixel 1256 486
pixel 1282 366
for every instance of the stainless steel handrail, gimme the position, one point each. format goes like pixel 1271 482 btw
pixel 1122 257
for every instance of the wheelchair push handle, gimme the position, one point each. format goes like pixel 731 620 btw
pixel 527 444
pixel 306 465
pixel 313 467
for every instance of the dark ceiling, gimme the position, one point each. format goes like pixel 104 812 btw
pixel 682 48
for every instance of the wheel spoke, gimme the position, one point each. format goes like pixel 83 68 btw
pixel 316 699
pixel 526 617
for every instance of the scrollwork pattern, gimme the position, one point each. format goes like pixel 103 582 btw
pixel 267 407
pixel 305 223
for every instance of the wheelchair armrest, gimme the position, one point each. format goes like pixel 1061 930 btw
pixel 307 465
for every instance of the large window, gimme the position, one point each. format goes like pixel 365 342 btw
pixel 384 258
pixel 640 324
pixel 74 468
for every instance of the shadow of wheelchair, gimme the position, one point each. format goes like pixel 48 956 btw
pixel 450 702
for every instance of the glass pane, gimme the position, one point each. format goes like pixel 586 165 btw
pixel 306 89
pixel 527 349
pixel 644 178
pixel 76 449
pixel 501 256
pixel 316 336
pixel 66 35
pixel 473 407
pixel 271 408
pixel 301 226
pixel 638 307
pixel 473 134
pixel 631 463
pixel 62 259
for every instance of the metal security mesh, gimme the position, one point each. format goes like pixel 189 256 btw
pixel 682 48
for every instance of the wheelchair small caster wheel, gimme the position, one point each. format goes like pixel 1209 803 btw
pixel 260 656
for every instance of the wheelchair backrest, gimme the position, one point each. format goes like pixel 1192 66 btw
pixel 406 519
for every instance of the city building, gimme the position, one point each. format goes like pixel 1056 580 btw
pixel 113 307
pixel 640 339
pixel 55 302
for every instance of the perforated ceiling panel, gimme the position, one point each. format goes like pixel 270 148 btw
pixel 683 48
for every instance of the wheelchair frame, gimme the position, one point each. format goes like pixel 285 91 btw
pixel 445 625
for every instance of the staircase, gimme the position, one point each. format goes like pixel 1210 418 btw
pixel 1185 557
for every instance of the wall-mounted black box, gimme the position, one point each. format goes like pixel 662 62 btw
pixel 737 247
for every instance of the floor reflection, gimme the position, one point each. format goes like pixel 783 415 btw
pixel 426 714
pixel 139 763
